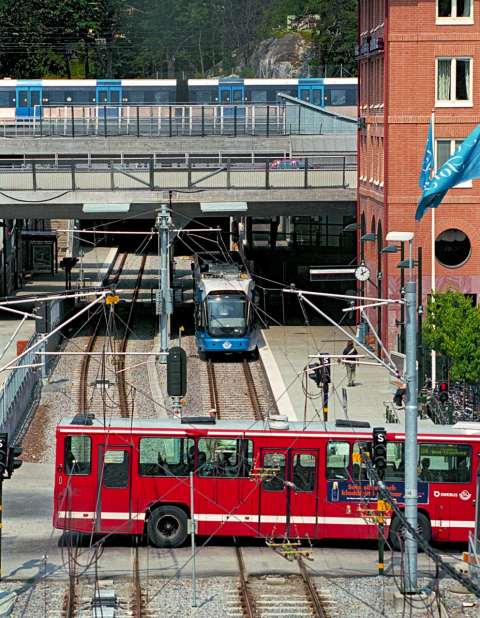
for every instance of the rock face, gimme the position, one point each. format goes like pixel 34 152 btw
pixel 285 57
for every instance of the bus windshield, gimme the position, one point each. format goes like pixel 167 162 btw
pixel 227 315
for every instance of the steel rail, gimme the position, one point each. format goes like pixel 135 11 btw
pixel 311 590
pixel 137 596
pixel 248 604
pixel 252 391
pixel 213 389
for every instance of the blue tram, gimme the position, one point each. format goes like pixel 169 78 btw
pixel 225 317
pixel 25 98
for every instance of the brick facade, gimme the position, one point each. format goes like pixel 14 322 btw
pixel 399 44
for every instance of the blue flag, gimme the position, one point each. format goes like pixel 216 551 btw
pixel 427 165
pixel 463 165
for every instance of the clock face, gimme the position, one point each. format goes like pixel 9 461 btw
pixel 362 273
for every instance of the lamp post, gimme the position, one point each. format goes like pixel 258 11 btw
pixel 411 420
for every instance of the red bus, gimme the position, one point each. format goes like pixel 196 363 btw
pixel 258 479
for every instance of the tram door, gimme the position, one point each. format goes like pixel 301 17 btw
pixel 114 511
pixel 28 101
pixel 312 94
pixel 288 496
pixel 109 96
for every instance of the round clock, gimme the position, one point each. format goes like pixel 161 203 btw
pixel 362 273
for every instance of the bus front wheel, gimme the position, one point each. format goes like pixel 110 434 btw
pixel 167 527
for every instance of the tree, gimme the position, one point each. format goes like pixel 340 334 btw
pixel 452 327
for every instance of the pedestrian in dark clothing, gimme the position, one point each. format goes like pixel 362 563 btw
pixel 351 365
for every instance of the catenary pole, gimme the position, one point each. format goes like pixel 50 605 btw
pixel 164 302
pixel 433 233
pixel 410 573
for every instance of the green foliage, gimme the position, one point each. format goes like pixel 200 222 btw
pixel 159 38
pixel 452 327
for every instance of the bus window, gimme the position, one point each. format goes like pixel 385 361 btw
pixel 304 471
pixel 224 458
pixel 444 463
pixel 77 455
pixel 338 458
pixel 115 469
pixel 359 468
pixel 166 456
pixel 395 469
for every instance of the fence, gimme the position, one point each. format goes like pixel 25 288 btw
pixel 18 391
pixel 319 172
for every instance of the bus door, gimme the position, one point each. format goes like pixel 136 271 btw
pixel 114 511
pixel 109 97
pixel 28 100
pixel 274 493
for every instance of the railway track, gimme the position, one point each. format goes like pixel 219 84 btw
pixel 294 596
pixel 233 391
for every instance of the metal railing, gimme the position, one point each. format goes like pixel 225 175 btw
pixel 17 389
pixel 327 171
pixel 75 121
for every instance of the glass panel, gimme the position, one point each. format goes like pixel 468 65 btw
pixel 226 315
pixel 444 80
pixel 275 463
pixel 115 97
pixel 458 142
pixel 463 8
pixel 316 96
pixel 259 96
pixel 444 463
pixel 445 8
pixel 237 95
pixel 443 151
pixel 304 465
pixel 4 98
pixel 463 80
pixel 224 458
pixel 166 456
pixel 77 455
pixel 359 468
pixel 395 469
pixel 23 98
pixel 115 469
pixel 338 457
pixel 338 97
pixel 305 94
pixel 225 96
pixel 103 96
pixel 34 97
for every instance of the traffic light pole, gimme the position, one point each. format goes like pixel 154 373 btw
pixel 411 481
pixel 164 298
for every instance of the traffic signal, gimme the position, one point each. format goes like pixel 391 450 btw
pixel 12 462
pixel 379 450
pixel 177 372
pixel 3 453
pixel 443 392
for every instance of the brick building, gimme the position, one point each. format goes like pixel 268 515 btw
pixel 416 56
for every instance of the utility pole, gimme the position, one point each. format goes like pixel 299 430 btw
pixel 165 296
pixel 411 456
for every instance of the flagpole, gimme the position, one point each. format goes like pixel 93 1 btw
pixel 433 283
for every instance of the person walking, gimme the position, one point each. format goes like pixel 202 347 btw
pixel 351 365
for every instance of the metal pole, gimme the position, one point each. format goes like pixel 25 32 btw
pixel 410 575
pixel 164 292
pixel 477 511
pixel 402 307
pixel 421 358
pixel 192 536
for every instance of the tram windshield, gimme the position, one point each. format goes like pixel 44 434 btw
pixel 227 315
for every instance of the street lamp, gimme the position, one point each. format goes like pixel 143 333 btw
pixel 411 420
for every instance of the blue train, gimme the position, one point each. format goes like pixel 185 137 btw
pixel 25 98
pixel 225 317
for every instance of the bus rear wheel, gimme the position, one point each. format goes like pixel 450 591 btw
pixel 397 531
pixel 167 527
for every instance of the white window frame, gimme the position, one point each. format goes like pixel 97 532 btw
pixel 462 185
pixel 453 20
pixel 453 78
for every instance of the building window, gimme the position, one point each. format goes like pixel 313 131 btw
pixel 452 248
pixel 445 149
pixel 454 77
pixel 454 11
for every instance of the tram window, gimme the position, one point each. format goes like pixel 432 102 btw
pixel 115 469
pixel 444 463
pixel 224 458
pixel 275 464
pixel 304 465
pixel 23 98
pixel 166 456
pixel 338 458
pixel 338 97
pixel 77 455
pixel 259 96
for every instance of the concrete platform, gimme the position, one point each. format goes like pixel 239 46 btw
pixel 8 327
pixel 31 548
pixel 288 348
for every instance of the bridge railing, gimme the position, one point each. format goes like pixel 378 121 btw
pixel 329 171
pixel 151 121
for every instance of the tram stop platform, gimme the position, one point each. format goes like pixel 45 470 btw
pixel 285 354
